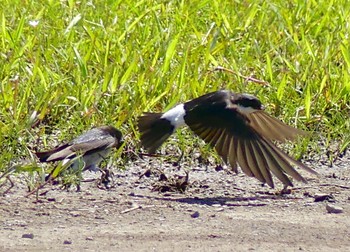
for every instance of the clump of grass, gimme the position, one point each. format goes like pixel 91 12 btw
pixel 67 66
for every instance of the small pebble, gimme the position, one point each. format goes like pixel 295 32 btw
pixel 219 168
pixel 29 236
pixel 89 238
pixel 67 242
pixel 75 213
pixel 334 209
pixel 195 215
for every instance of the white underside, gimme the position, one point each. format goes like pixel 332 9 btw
pixel 89 162
pixel 176 116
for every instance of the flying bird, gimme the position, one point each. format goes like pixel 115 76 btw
pixel 239 129
pixel 89 149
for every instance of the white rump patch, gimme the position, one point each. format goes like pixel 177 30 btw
pixel 176 116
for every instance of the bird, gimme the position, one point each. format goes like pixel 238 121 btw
pixel 87 150
pixel 237 127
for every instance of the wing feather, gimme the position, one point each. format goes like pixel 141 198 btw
pixel 272 128
pixel 260 162
pixel 244 137
pixel 82 148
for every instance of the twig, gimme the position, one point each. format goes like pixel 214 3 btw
pixel 150 155
pixel 11 185
pixel 247 78
pixel 135 208
pixel 131 209
pixel 341 186
pixel 50 179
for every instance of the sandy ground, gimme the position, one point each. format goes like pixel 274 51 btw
pixel 219 211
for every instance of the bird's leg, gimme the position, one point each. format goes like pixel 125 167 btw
pixel 178 161
pixel 285 190
pixel 105 178
pixel 182 182
pixel 11 185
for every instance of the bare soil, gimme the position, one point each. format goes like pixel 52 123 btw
pixel 219 211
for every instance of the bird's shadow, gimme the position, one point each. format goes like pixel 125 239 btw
pixel 257 200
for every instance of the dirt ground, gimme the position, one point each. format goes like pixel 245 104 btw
pixel 219 211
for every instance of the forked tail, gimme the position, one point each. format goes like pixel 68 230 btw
pixel 154 130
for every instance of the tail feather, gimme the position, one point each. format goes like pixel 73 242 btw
pixel 45 155
pixel 154 130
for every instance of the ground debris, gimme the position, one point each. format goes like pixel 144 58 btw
pixel 28 236
pixel 334 209
pixel 195 214
pixel 178 183
pixel 319 197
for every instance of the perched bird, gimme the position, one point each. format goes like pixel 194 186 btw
pixel 239 129
pixel 92 147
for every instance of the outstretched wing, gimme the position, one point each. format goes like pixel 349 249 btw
pixel 245 138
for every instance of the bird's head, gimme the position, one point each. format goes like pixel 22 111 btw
pixel 246 103
pixel 114 133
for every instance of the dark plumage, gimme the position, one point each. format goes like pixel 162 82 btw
pixel 239 129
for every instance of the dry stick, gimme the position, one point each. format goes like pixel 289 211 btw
pixel 131 209
pixel 150 155
pixel 39 187
pixel 247 78
pixel 11 185
pixel 139 207
pixel 341 186
pixel 308 187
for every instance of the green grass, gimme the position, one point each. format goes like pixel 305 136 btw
pixel 91 63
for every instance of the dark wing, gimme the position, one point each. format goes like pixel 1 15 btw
pixel 236 140
pixel 71 150
pixel 44 155
pixel 272 128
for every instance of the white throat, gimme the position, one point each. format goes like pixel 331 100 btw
pixel 176 116
pixel 245 110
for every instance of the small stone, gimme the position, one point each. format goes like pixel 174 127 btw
pixel 323 197
pixel 334 209
pixel 195 214
pixel 219 168
pixel 67 242
pixel 75 213
pixel 89 238
pixel 148 173
pixel 29 236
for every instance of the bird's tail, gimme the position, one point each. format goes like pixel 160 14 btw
pixel 154 130
pixel 45 156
